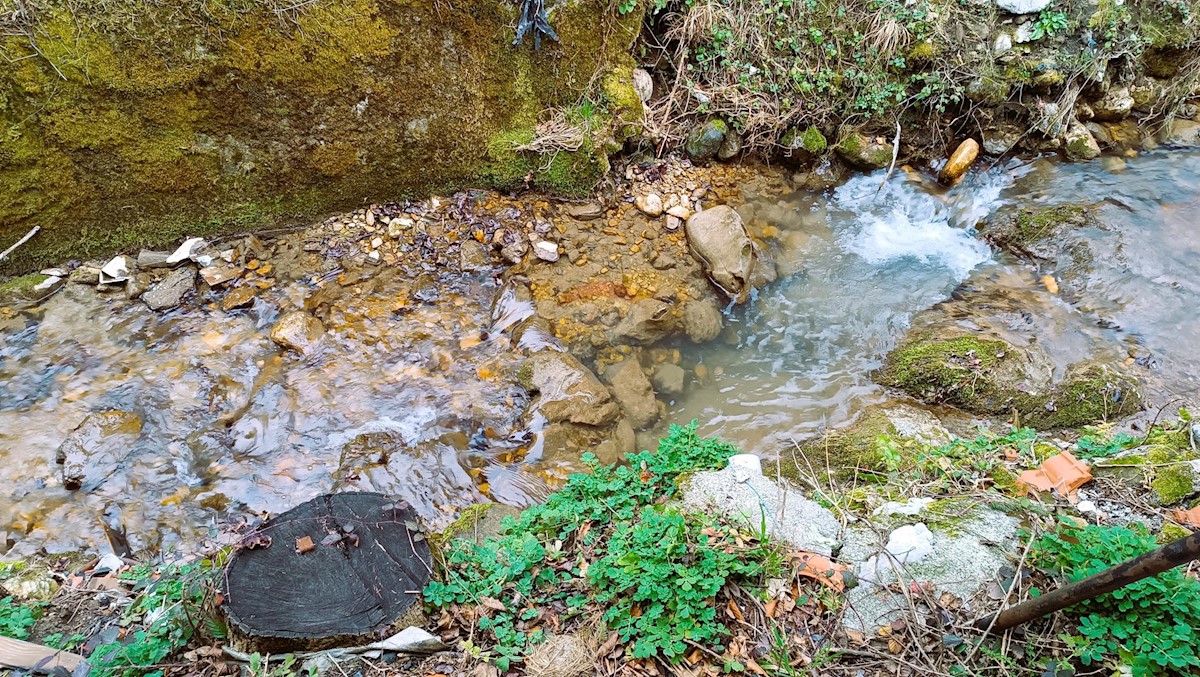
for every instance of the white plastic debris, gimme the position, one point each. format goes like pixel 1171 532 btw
pixel 186 250
pixel 109 562
pixel 116 270
pixel 913 506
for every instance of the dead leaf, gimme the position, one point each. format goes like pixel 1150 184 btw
pixel 1189 518
pixel 305 545
pixel 735 611
pixel 769 608
pixel 609 644
pixel 754 667
pixel 492 603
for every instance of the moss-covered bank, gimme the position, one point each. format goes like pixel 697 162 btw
pixel 125 123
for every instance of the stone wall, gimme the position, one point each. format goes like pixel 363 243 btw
pixel 125 123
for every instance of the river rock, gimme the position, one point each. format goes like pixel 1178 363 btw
pixel 474 256
pixel 1002 138
pixel 802 145
pixel 85 274
pixel 649 204
pixel 705 140
pixel 1022 6
pixel 865 152
pixel 585 211
pixel 647 321
pixel 959 162
pixel 96 447
pixel 546 251
pixel 170 291
pixel 137 285
pixel 634 393
pixel 1114 105
pixel 298 331
pixel 741 491
pixel 702 320
pixel 1079 142
pixel 719 241
pixel 147 259
pixel 985 374
pixel 730 146
pixel 566 390
pixel 1002 43
pixel 668 378
pixel 239 297
pixel 1180 133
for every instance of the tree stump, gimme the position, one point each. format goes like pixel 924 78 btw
pixel 335 571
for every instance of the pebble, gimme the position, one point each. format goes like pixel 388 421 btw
pixel 674 222
pixel 680 212
pixel 649 204
pixel 170 292
pixel 546 250
pixel 239 297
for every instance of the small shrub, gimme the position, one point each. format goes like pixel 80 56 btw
pixel 16 619
pixel 1153 625
pixel 1048 23
pixel 603 543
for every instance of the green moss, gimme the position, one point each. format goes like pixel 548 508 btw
pixel 924 52
pixel 1174 479
pixel 1033 225
pixel 1172 532
pixel 467 519
pixel 1084 397
pixel 156 118
pixel 813 141
pixel 989 89
pixel 953 370
pixel 20 288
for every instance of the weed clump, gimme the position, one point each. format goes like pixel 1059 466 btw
pixel 1153 625
pixel 605 544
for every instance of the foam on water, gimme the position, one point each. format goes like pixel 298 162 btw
pixel 901 219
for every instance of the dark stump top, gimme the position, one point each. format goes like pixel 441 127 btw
pixel 336 570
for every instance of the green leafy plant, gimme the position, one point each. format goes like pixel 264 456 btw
pixel 169 611
pixel 1103 446
pixel 16 619
pixel 1048 23
pixel 1153 625
pixel 602 543
pixel 260 666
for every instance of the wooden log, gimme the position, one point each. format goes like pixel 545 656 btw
pixel 1152 563
pixel 335 571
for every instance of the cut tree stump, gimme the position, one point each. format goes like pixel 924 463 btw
pixel 335 571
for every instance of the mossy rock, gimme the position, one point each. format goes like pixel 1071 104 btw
pixel 477 523
pixel 864 152
pixel 988 376
pixel 704 141
pixel 134 125
pixel 22 289
pixel 1173 478
pixel 864 445
pixel 1026 231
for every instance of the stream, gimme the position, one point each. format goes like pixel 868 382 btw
pixel 234 429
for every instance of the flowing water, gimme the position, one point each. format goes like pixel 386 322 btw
pixel 868 259
pixel 233 428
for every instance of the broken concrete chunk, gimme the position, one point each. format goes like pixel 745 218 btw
pixel 170 291
pixel 190 248
pixel 116 270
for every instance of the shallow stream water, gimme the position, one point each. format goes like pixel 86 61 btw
pixel 233 427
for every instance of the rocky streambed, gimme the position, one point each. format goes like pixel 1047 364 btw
pixel 473 347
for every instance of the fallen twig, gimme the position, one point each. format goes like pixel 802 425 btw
pixel 34 231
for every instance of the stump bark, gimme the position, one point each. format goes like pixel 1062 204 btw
pixel 335 571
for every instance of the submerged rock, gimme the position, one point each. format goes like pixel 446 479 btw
pixel 668 378
pixel 567 391
pixel 298 331
pixel 1032 231
pixel 96 446
pixel 719 241
pixel 634 393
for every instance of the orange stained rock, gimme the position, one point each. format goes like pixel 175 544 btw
pixel 1062 472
